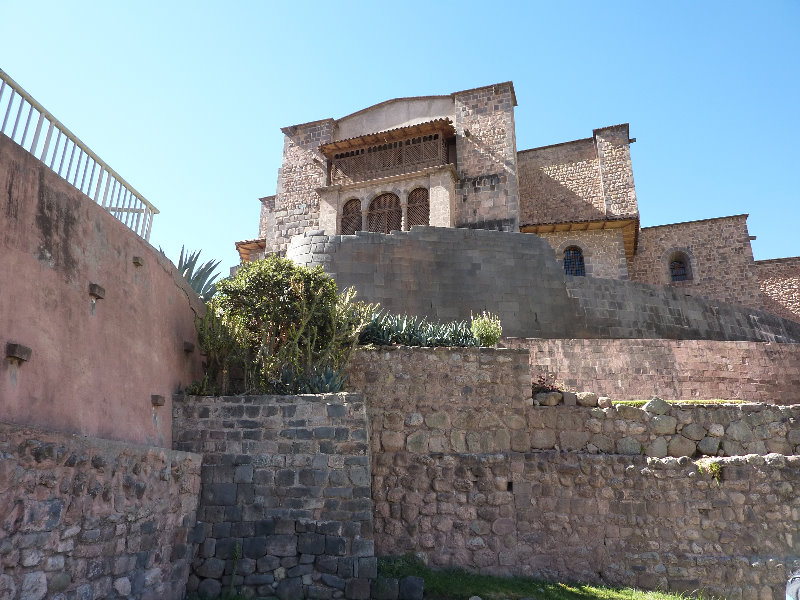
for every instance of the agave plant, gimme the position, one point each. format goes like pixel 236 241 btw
pixel 201 278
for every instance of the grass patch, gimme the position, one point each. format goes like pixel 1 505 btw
pixel 641 403
pixel 456 584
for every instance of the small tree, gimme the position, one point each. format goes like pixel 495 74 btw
pixel 277 327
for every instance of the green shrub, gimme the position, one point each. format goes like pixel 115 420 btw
pixel 277 327
pixel 486 328
pixel 385 329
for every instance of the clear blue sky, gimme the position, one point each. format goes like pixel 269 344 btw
pixel 186 99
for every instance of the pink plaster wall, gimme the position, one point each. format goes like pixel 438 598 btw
pixel 93 368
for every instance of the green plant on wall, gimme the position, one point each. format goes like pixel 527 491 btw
pixel 486 328
pixel 277 327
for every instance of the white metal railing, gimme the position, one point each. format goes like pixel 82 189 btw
pixel 61 150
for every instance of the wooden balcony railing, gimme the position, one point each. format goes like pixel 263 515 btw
pixel 391 158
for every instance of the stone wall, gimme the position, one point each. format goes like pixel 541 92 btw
pixel 90 518
pixel 443 399
pixel 487 193
pixel 671 369
pixel 295 207
pixel 96 362
pixel 779 280
pixel 728 529
pixel 448 274
pixel 603 251
pixel 582 180
pixel 720 256
pixel 456 400
pixel 286 479
pixel 560 183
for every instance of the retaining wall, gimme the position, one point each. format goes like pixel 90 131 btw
pixel 448 274
pixel 286 479
pixel 90 518
pixel 96 363
pixel 671 369
pixel 650 523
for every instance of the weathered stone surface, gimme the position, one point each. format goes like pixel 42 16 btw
pixel 657 448
pixel 628 445
pixel 694 431
pixel 385 588
pixel 657 406
pixel 547 398
pixel 543 438
pixel 605 402
pixel 708 446
pixel 681 446
pixel 586 399
pixel 739 431
pixel 663 424
pixel 34 586
pixel 569 398
pixel 209 588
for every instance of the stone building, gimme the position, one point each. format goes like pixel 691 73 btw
pixel 452 161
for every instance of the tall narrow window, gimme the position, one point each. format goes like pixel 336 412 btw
pixel 351 217
pixel 419 208
pixel 573 261
pixel 385 214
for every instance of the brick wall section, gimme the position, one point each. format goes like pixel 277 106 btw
pixel 439 398
pixel 779 280
pixel 603 251
pixel 487 195
pixel 616 171
pixel 670 369
pixel 303 170
pixel 459 400
pixel 90 518
pixel 446 274
pixel 560 183
pixel 720 254
pixel 644 522
pixel 287 478
pixel 583 180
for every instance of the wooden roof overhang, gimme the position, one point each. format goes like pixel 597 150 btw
pixel 629 227
pixel 248 247
pixel 441 126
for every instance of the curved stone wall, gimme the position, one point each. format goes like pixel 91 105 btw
pixel 447 274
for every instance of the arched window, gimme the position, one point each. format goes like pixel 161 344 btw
pixel 419 208
pixel 385 214
pixel 679 267
pixel 351 217
pixel 573 261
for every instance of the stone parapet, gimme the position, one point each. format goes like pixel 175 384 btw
pixel 286 484
pixel 726 527
pixel 91 518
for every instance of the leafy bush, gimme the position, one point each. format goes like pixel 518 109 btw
pixel 546 383
pixel 385 329
pixel 277 327
pixel 486 328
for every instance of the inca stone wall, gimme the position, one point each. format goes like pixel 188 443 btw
pixel 779 280
pixel 452 400
pixel 447 274
pixel 719 252
pixel 459 475
pixel 671 369
pixel 295 207
pixel 487 193
pixel 89 518
pixel 603 251
pixel 286 480
pixel 730 530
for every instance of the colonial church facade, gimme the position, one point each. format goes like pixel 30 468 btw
pixel 452 161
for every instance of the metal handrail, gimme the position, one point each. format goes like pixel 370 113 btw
pixel 123 202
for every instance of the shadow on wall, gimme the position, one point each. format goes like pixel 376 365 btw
pixel 105 317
